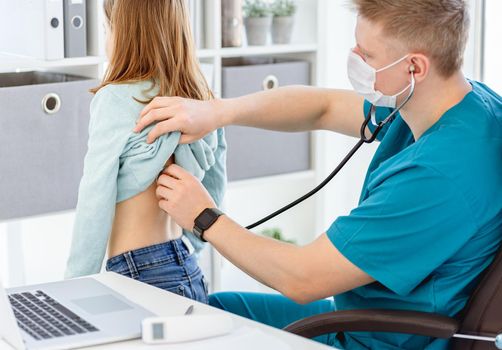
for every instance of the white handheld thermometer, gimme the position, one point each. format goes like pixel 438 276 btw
pixel 176 329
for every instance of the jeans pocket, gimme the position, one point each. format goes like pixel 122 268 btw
pixel 169 274
pixel 206 290
pixel 180 289
pixel 199 288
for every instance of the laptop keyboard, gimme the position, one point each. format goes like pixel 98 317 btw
pixel 44 318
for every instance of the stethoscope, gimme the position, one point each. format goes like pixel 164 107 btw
pixel 370 116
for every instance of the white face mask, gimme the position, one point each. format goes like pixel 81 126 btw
pixel 363 78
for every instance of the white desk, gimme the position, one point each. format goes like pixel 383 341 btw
pixel 168 304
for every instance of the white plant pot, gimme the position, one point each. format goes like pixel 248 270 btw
pixel 282 28
pixel 258 29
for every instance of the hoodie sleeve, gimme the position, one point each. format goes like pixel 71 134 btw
pixel 215 181
pixel 109 129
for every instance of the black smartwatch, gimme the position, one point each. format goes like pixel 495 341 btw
pixel 204 221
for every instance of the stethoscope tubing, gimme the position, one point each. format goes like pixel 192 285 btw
pixel 363 139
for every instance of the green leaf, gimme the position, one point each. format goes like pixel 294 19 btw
pixel 256 8
pixel 276 234
pixel 283 8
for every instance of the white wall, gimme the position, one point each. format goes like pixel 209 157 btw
pixel 40 245
pixel 45 240
pixel 342 194
pixel 493 55
pixel 313 217
pixel 250 200
pixel 35 250
pixel 473 53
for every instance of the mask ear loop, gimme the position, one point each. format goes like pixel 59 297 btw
pixel 392 64
pixel 401 105
pixel 372 113
pixel 412 89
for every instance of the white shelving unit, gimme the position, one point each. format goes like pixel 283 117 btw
pixel 246 200
pixel 19 64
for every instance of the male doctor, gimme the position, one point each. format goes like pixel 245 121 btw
pixel 429 218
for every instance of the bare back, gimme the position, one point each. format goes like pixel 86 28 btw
pixel 139 222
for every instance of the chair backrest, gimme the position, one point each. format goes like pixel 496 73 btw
pixel 482 315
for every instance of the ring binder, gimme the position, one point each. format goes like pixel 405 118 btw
pixel 39 29
pixel 75 36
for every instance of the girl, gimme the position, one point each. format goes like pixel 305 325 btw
pixel 151 53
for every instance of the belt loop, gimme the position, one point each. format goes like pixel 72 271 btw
pixel 179 254
pixel 131 265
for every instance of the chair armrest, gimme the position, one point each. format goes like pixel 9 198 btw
pixel 393 321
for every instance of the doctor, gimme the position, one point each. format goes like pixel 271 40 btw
pixel 430 213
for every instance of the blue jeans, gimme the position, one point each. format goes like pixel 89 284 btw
pixel 272 309
pixel 168 266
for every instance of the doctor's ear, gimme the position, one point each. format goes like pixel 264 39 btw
pixel 419 65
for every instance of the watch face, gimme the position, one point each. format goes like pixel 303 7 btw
pixel 205 219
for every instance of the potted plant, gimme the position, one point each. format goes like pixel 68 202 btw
pixel 282 24
pixel 257 20
pixel 276 233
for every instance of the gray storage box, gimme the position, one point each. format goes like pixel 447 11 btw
pixel 254 152
pixel 44 121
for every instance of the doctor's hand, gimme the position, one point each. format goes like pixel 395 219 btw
pixel 182 196
pixel 193 118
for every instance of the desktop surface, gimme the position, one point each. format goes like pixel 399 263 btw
pixel 163 303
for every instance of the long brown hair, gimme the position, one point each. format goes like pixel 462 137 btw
pixel 153 41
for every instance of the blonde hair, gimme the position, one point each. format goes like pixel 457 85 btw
pixel 437 28
pixel 153 41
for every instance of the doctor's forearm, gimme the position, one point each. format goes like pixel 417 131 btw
pixel 271 262
pixel 292 108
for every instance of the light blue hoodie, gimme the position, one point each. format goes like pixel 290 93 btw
pixel 120 164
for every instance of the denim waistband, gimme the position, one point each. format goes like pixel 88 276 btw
pixel 177 250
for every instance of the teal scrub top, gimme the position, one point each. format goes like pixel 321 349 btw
pixel 429 220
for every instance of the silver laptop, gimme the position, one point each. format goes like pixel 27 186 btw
pixel 67 314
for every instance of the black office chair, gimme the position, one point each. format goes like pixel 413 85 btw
pixel 477 327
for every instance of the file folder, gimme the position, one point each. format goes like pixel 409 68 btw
pixel 32 28
pixel 75 28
